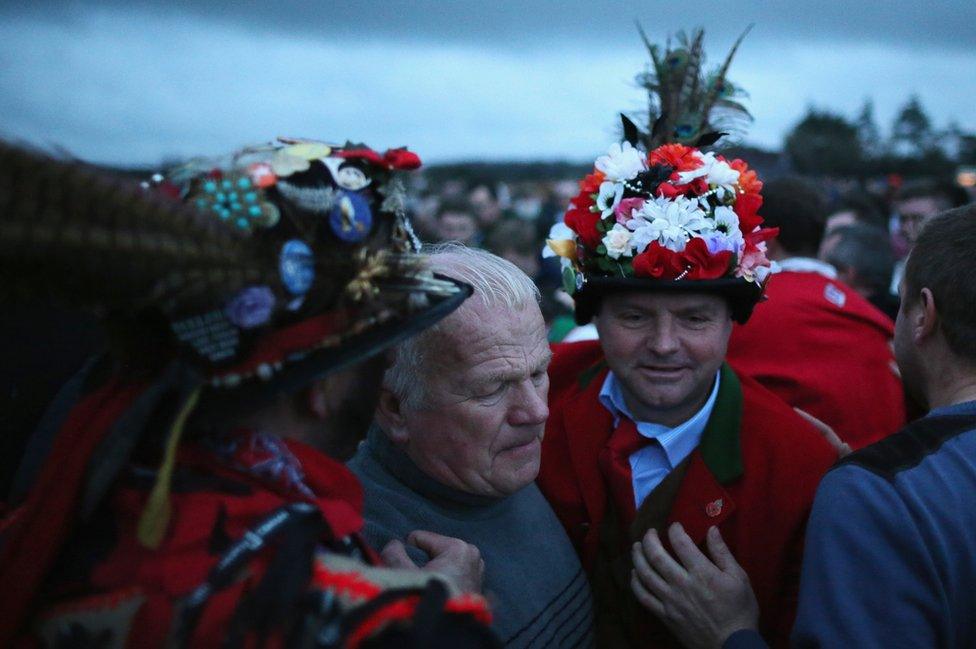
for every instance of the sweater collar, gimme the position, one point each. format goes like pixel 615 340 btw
pixel 399 464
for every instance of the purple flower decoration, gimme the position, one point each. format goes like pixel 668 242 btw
pixel 252 307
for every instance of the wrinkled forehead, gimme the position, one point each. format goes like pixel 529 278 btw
pixel 476 332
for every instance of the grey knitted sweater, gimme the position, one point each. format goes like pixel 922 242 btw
pixel 538 592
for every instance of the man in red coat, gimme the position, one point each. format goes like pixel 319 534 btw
pixel 649 426
pixel 816 342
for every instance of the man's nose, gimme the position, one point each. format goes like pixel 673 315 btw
pixel 531 408
pixel 663 339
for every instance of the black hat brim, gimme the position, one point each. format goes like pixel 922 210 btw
pixel 355 349
pixel 741 294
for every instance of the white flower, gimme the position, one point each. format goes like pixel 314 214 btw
pixel 670 222
pixel 558 232
pixel 717 173
pixel 726 219
pixel 609 197
pixel 621 163
pixel 617 241
pixel 727 223
pixel 720 174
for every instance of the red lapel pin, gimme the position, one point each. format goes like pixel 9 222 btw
pixel 713 508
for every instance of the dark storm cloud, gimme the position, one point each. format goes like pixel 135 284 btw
pixel 132 82
pixel 538 23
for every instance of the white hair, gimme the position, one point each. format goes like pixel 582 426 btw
pixel 497 283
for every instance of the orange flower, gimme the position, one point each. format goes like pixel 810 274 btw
pixel 748 180
pixel 678 156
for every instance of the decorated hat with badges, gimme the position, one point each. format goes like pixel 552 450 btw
pixel 263 268
pixel 658 213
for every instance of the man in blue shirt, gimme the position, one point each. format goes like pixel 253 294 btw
pixel 890 554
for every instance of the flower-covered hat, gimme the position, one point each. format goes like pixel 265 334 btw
pixel 671 216
pixel 671 219
pixel 262 269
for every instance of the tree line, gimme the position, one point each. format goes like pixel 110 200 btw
pixel 826 143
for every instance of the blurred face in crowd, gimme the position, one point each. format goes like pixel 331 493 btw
pixel 457 226
pixel 839 220
pixel 526 261
pixel 480 424
pixel 914 212
pixel 665 350
pixel 484 205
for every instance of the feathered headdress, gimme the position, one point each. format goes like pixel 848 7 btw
pixel 659 214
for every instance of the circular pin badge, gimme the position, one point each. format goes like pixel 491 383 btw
pixel 580 281
pixel 350 217
pixel 297 266
pixel 351 178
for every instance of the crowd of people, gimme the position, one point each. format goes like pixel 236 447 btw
pixel 863 230
pixel 670 403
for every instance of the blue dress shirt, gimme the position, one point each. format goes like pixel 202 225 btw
pixel 650 464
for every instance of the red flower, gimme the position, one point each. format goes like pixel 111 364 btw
pixel 583 223
pixel 658 262
pixel 392 159
pixel 361 154
pixel 401 159
pixel 679 156
pixel 667 190
pixel 582 201
pixel 591 183
pixel 746 206
pixel 696 187
pixel 704 265
pixel 753 239
pixel 168 189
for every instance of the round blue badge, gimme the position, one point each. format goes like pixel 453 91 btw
pixel 297 266
pixel 350 217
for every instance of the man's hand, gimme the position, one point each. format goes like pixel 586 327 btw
pixel 703 603
pixel 459 561
pixel 841 447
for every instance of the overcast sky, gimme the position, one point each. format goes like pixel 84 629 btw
pixel 134 82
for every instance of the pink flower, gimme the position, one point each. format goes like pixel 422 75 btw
pixel 626 207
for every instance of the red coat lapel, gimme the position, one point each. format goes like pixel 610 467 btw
pixel 588 425
pixel 701 501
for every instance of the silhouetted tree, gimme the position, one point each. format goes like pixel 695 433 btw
pixel 824 143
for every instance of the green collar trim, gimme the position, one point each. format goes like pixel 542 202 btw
pixel 591 372
pixel 719 444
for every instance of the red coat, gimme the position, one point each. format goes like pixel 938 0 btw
pixel 823 348
pixel 753 475
pixel 236 511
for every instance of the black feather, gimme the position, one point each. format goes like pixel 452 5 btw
pixel 708 139
pixel 631 132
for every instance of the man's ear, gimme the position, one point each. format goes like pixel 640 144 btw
pixel 389 416
pixel 926 321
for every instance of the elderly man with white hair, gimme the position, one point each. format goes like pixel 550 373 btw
pixel 456 449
